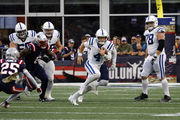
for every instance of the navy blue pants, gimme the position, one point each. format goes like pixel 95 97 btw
pixel 11 87
pixel 40 73
pixel 104 72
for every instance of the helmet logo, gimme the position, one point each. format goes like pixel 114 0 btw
pixel 20 26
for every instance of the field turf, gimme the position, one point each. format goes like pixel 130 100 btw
pixel 112 103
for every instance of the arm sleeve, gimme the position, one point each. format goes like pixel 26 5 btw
pixel 29 76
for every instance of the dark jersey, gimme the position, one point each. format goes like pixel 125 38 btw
pixel 67 50
pixel 9 67
pixel 35 53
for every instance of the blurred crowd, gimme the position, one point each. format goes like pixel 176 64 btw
pixel 135 46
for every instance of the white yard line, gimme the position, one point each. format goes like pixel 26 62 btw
pixel 120 84
pixel 77 107
pixel 79 113
pixel 60 119
pixel 168 115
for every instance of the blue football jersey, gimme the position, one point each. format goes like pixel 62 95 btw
pixel 9 67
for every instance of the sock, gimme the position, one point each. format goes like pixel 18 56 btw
pixel 49 89
pixel 12 97
pixel 145 86
pixel 165 87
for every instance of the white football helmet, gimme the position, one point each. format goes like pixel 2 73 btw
pixel 102 33
pixel 152 19
pixel 48 29
pixel 21 30
pixel 42 40
pixel 12 54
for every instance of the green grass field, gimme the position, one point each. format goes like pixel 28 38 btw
pixel 111 104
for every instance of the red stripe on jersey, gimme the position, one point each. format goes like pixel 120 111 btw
pixel 17 90
pixel 29 83
pixel 34 48
pixel 20 61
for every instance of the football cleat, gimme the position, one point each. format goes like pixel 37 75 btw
pixel 80 99
pixel 51 98
pixel 73 101
pixel 166 99
pixel 43 100
pixel 141 97
pixel 5 104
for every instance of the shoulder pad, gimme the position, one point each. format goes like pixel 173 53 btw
pixel 110 46
pixel 31 33
pixel 91 40
pixel 11 37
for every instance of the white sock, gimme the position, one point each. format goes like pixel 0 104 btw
pixel 145 86
pixel 49 89
pixel 12 97
pixel 87 89
pixel 165 87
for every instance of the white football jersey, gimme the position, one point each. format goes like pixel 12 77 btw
pixel 151 39
pixel 53 40
pixel 22 44
pixel 93 55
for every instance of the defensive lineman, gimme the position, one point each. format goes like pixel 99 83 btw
pixel 10 67
pixel 99 53
pixel 21 38
pixel 155 38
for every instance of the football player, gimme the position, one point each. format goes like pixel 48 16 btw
pixel 155 60
pixel 99 53
pixel 35 51
pixel 21 38
pixel 53 37
pixel 10 68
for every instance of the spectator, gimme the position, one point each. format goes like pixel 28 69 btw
pixel 114 40
pixel 87 36
pixel 118 42
pixel 133 40
pixel 68 52
pixel 124 48
pixel 177 42
pixel 139 48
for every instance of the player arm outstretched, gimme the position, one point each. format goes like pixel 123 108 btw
pixel 81 49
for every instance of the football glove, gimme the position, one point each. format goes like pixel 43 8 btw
pixel 39 91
